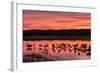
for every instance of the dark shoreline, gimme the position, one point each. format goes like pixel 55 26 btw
pixel 81 34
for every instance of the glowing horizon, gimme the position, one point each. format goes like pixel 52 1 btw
pixel 54 20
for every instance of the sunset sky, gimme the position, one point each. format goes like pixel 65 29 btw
pixel 54 20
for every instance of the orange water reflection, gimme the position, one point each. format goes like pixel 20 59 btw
pixel 46 48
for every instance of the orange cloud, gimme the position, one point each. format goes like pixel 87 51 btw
pixel 44 20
